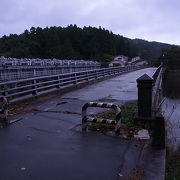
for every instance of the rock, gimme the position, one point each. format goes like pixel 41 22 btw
pixel 142 134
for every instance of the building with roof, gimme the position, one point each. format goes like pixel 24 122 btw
pixel 138 61
pixel 120 60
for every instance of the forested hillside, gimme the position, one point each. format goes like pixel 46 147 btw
pixel 72 42
pixel 171 58
pixel 171 75
pixel 151 51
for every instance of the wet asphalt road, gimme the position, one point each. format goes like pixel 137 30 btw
pixel 51 146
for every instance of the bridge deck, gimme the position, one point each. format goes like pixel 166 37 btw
pixel 50 145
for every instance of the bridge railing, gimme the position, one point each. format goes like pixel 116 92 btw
pixel 157 89
pixel 34 86
pixel 149 102
pixel 149 93
pixel 21 72
pixel 16 69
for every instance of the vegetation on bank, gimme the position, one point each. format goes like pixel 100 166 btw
pixel 73 42
pixel 171 83
pixel 128 111
pixel 171 58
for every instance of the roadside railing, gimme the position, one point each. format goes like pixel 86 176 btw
pixel 38 85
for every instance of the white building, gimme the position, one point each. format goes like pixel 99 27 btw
pixel 135 59
pixel 138 61
pixel 120 60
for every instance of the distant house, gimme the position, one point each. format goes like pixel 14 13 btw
pixel 138 61
pixel 134 59
pixel 120 60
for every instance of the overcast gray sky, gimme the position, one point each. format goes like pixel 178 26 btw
pixel 156 20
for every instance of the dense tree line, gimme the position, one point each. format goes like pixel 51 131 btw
pixel 151 51
pixel 171 75
pixel 171 58
pixel 73 42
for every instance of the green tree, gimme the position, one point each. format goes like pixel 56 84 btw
pixel 171 58
pixel 73 42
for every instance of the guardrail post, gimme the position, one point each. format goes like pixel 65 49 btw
pixel 34 72
pixel 110 72
pixel 34 92
pixel 5 90
pixel 87 76
pixel 58 81
pixel 145 84
pixel 75 79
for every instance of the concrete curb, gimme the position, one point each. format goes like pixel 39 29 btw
pixel 132 158
pixel 157 167
pixel 140 156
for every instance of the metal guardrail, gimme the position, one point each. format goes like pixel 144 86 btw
pixel 156 74
pixel 86 119
pixel 38 85
pixel 15 69
pixel 12 62
pixel 12 73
